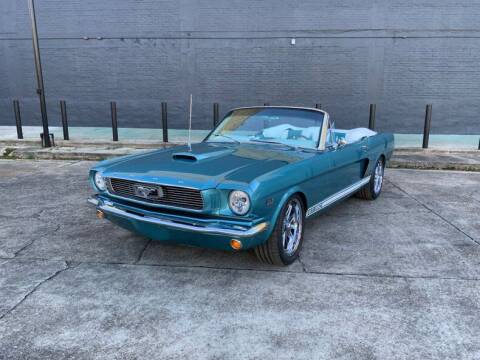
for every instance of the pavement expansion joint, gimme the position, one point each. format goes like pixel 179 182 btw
pixel 73 264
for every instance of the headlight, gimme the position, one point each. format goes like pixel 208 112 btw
pixel 99 181
pixel 239 202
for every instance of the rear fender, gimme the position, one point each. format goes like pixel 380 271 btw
pixel 378 146
pixel 365 166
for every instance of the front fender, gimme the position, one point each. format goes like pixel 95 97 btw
pixel 281 200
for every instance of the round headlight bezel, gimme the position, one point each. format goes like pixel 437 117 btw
pixel 99 181
pixel 235 198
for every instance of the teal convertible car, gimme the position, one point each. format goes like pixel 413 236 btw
pixel 251 184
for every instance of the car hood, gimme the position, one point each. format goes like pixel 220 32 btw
pixel 205 166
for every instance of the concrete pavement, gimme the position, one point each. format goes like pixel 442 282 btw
pixel 394 278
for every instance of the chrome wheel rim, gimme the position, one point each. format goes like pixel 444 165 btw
pixel 378 177
pixel 292 227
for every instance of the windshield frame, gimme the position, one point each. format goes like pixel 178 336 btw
pixel 322 131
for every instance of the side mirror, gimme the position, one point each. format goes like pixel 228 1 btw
pixel 341 142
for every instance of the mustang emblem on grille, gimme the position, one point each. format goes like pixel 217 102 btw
pixel 148 192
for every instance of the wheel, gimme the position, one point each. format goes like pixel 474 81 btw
pixel 283 246
pixel 374 187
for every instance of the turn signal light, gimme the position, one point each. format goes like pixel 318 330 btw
pixel 236 244
pixel 100 214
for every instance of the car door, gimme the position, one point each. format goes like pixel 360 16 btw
pixel 333 169
pixel 348 163
pixel 320 185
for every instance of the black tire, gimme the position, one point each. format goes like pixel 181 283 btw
pixel 371 191
pixel 273 251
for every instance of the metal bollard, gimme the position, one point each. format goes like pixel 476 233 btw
pixel 318 106
pixel 164 122
pixel 51 138
pixel 113 111
pixel 63 112
pixel 18 118
pixel 215 115
pixel 371 118
pixel 426 127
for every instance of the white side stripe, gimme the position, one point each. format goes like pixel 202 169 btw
pixel 337 196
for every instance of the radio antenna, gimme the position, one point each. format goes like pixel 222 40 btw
pixel 190 126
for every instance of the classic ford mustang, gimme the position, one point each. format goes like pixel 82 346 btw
pixel 249 185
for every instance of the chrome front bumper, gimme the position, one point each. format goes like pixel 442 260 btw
pixel 109 208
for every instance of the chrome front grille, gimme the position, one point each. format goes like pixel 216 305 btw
pixel 156 194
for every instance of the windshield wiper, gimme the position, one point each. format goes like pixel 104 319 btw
pixel 281 143
pixel 272 142
pixel 306 149
pixel 228 137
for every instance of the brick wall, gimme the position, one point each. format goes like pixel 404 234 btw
pixel 349 53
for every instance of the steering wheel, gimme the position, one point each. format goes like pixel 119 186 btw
pixel 303 137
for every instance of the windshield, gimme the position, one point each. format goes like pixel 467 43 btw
pixel 288 126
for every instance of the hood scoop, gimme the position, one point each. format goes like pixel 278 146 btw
pixel 188 156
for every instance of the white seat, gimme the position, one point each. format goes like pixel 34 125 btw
pixel 354 135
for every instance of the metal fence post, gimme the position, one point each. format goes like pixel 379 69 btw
pixel 113 111
pixel 215 115
pixel 63 111
pixel 18 118
pixel 318 106
pixel 371 118
pixel 426 127
pixel 164 122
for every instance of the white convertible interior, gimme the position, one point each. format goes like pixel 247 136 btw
pixel 350 136
pixel 311 134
